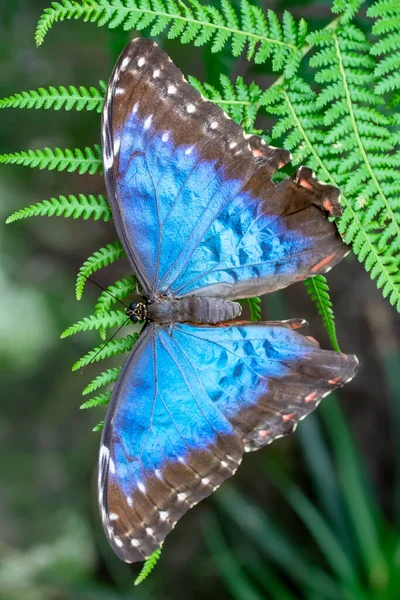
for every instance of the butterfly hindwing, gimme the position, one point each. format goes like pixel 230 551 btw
pixel 192 195
pixel 190 400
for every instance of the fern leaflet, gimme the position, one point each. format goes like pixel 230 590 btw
pixel 99 400
pixel 387 29
pixel 85 207
pixel 255 308
pixel 112 348
pixel 105 378
pixel 265 37
pixel 148 566
pixel 84 161
pixel 117 291
pixel 56 98
pixel 98 427
pixel 318 289
pixel 97 322
pixel 101 258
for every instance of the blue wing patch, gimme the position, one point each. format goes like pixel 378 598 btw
pixel 192 195
pixel 190 400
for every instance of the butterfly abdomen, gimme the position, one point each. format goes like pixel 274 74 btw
pixel 193 309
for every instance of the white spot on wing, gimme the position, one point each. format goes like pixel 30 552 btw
pixel 171 89
pixel 135 108
pixel 156 73
pixel 232 145
pixel 165 137
pixel 112 466
pixel 113 517
pixel 163 515
pixel 118 542
pixel 135 543
pixel 149 531
pixel 189 150
pixel 182 496
pixel 142 487
pixel 141 62
pixel 190 108
pixel 108 161
pixel 119 91
pixel 125 62
pixel 214 125
pixel 129 501
pixel 147 122
pixel 158 474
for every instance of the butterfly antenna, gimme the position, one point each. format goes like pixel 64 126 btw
pixel 102 288
pixel 106 344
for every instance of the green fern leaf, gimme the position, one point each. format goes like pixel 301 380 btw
pixel 85 207
pixel 192 22
pixel 387 46
pixel 84 161
pixel 148 566
pixel 119 290
pixel 99 400
pixel 98 321
pixel 112 348
pixel 105 378
pixel 81 98
pixel 344 137
pixel 346 8
pixel 98 427
pixel 317 287
pixel 101 258
pixel 255 308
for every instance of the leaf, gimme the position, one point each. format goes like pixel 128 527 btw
pixel 81 206
pixel 69 98
pixel 148 566
pixel 84 161
pixel 101 258
pixel 317 287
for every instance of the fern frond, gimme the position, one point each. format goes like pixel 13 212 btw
pixel 85 207
pixel 101 258
pixel 99 400
pixel 105 378
pixel 318 289
pixel 84 161
pixel 148 566
pixel 346 8
pixel 239 101
pixel 78 98
pixel 97 322
pixel 342 135
pixel 112 348
pixel 263 35
pixel 255 308
pixel 98 427
pixel 117 291
pixel 387 47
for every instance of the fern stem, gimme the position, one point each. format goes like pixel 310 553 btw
pixel 358 137
pixel 329 178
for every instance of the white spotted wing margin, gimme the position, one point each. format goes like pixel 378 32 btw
pixel 189 401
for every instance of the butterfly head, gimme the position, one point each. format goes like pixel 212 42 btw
pixel 137 311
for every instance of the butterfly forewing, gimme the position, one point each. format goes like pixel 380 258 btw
pixel 192 195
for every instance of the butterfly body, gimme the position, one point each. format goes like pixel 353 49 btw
pixel 191 309
pixel 202 224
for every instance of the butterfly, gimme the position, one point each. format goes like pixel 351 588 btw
pixel 202 224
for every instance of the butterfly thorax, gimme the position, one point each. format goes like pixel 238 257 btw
pixel 191 309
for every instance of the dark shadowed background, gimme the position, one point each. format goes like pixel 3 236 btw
pixel 258 537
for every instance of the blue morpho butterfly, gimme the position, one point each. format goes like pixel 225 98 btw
pixel 202 224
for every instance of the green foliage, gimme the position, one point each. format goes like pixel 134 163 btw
pixel 387 47
pixel 255 308
pixel 318 289
pixel 101 258
pixel 240 101
pixel 119 290
pixel 80 98
pixel 98 427
pixel 99 400
pixel 84 161
pixel 263 34
pixel 148 566
pixel 81 206
pixel 98 321
pixel 112 348
pixel 105 378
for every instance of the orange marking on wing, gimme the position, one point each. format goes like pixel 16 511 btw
pixel 305 184
pixel 257 153
pixel 286 418
pixel 327 204
pixel 311 397
pixel 281 164
pixel 334 381
pixel 311 338
pixel 263 433
pixel 322 263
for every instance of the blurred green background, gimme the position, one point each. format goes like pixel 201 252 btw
pixel 314 516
